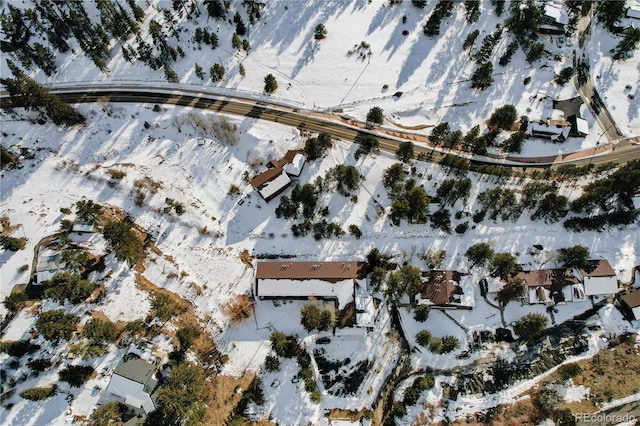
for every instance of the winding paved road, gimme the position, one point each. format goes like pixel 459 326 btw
pixel 338 127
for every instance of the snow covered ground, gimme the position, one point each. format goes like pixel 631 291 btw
pixel 205 268
pixel 201 249
pixel 338 73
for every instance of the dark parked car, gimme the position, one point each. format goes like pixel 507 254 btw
pixel 323 340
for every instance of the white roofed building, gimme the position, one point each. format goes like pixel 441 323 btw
pixel 555 130
pixel 294 168
pixel 132 383
pixel 276 178
pixel 49 264
pixel 555 18
pixel 598 278
pixel 300 280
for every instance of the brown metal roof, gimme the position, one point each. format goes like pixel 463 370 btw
pixel 547 277
pixel 598 268
pixel 559 123
pixel 440 286
pixel 632 299
pixel 273 172
pixel 537 277
pixel 326 271
pixel 265 177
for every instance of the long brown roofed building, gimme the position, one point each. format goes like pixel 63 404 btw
pixel 325 271
pixel 300 280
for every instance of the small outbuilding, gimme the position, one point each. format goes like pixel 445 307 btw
pixel 630 304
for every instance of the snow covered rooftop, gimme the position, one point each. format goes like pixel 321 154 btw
pixel 275 185
pixel 82 227
pixel 49 264
pixel 556 130
pixel 130 392
pixel 132 383
pixel 275 179
pixel 294 168
pixel 582 126
pixel 633 10
pixel 300 288
pixel 305 279
pixel 556 11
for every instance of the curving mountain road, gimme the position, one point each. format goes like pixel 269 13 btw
pixel 338 127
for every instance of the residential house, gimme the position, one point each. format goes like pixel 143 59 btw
pixel 132 383
pixel 276 178
pixel 271 183
pixel 551 286
pixel 300 280
pixel 343 282
pixel 598 278
pixel 555 17
pixel 445 289
pixel 555 130
pixel 633 11
pixel 630 304
pixel 49 264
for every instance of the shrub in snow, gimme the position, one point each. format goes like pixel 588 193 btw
pixel 108 414
pixel 56 325
pixel 462 228
pixel 531 326
pixel 165 307
pixel 76 375
pixel 320 32
pixel 186 336
pixel 100 331
pixel 375 115
pixel 504 117
pixel 355 231
pixel 18 348
pixel 272 363
pixel 11 243
pixel 449 344
pixel 421 314
pixel 311 318
pixel 405 151
pixel 37 394
pixel 574 257
pixel 270 83
pixel 513 290
pixel 423 338
pixel 434 258
pixel 568 371
pixel 39 364
pixel 67 286
pixel 15 301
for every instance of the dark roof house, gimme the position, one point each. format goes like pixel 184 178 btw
pixel 132 383
pixel 276 178
pixel 551 286
pixel 441 288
